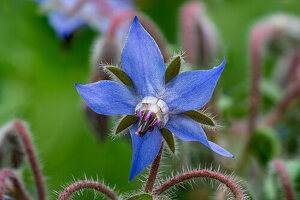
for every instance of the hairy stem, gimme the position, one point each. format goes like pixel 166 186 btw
pixel 289 98
pixel 258 35
pixel 32 159
pixel 154 170
pixel 187 20
pixel 237 192
pixel 286 183
pixel 80 185
pixel 8 174
pixel 293 74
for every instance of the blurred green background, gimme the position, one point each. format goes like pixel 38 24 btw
pixel 38 72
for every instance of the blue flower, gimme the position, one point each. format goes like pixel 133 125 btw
pixel 66 16
pixel 63 25
pixel 158 105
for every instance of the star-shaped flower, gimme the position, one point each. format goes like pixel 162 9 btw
pixel 154 105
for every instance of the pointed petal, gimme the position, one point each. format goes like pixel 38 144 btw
pixel 216 148
pixel 191 90
pixel 108 98
pixel 187 129
pixel 145 149
pixel 142 61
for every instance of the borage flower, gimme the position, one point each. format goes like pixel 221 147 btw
pixel 153 105
pixel 66 16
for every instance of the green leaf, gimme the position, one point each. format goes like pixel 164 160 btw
pixel 121 75
pixel 200 117
pixel 141 197
pixel 127 121
pixel 169 138
pixel 173 69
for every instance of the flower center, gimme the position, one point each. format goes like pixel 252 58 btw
pixel 152 112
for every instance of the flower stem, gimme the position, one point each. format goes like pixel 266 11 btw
pixel 8 174
pixel 289 98
pixel 287 186
pixel 258 35
pixel 68 191
pixel 32 159
pixel 237 192
pixel 154 170
pixel 293 91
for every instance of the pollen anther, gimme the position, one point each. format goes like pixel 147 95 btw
pixel 152 112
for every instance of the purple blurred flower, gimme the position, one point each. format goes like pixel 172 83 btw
pixel 158 105
pixel 65 16
pixel 64 25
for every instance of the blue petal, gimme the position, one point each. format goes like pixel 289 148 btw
pixel 187 129
pixel 191 90
pixel 142 61
pixel 108 98
pixel 145 149
pixel 64 25
pixel 216 148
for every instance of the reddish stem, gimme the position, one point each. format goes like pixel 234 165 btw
pixel 289 98
pixel 127 16
pixel 293 91
pixel 8 174
pixel 32 159
pixel 286 183
pixel 187 21
pixel 237 192
pixel 293 74
pixel 66 194
pixel 258 36
pixel 154 170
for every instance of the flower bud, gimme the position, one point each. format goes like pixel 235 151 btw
pixel 12 150
pixel 278 33
pixel 105 51
pixel 199 35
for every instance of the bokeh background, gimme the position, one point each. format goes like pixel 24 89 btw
pixel 38 72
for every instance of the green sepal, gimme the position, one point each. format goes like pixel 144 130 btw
pixel 200 117
pixel 169 138
pixel 173 69
pixel 144 196
pixel 121 75
pixel 127 121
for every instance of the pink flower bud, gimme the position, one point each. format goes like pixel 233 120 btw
pixel 199 35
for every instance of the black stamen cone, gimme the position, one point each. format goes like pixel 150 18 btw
pixel 145 126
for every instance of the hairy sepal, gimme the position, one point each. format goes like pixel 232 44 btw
pixel 200 117
pixel 121 75
pixel 125 122
pixel 173 69
pixel 169 138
